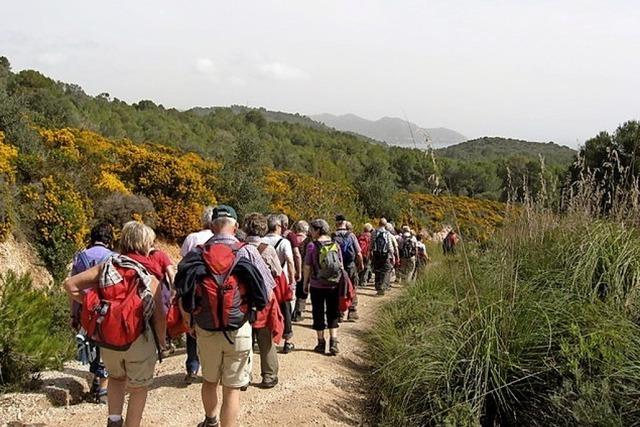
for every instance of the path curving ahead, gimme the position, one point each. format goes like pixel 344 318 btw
pixel 313 390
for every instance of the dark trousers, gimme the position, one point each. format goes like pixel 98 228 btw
pixel 352 271
pixel 285 308
pixel 192 364
pixel 301 299
pixel 324 304
pixel 96 367
pixel 365 274
pixel 382 269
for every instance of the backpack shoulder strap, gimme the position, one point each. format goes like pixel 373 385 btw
pixel 262 247
pixel 278 242
pixel 84 259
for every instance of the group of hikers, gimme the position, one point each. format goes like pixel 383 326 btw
pixel 239 284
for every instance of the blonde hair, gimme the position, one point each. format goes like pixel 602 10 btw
pixel 136 237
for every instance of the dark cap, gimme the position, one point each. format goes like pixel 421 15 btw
pixel 340 218
pixel 224 211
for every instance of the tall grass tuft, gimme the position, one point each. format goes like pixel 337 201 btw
pixel 542 332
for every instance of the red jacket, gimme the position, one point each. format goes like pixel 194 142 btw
pixel 271 317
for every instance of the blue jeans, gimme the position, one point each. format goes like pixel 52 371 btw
pixel 192 364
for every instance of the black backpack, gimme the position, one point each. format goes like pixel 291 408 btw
pixel 381 245
pixel 409 248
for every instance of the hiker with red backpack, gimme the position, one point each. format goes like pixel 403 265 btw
pixel 364 240
pixel 158 263
pixel 122 311
pixel 222 285
pixel 255 226
pixel 328 284
pixel 351 259
pixel 285 255
pixel 192 364
pixel 98 250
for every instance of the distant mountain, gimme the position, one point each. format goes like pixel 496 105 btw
pixel 494 148
pixel 393 131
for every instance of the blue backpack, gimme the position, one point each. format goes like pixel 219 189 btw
pixel 347 248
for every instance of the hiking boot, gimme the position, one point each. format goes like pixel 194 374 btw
pixel 341 317
pixel 190 378
pixel 333 347
pixel 380 292
pixel 209 422
pixel 352 316
pixel 119 423
pixel 320 347
pixel 244 387
pixel 288 347
pixel 268 383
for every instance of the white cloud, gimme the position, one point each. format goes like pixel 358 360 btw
pixel 205 66
pixel 280 71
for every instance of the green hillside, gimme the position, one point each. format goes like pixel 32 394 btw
pixel 289 142
pixel 495 149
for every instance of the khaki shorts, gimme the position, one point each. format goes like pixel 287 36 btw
pixel 225 362
pixel 136 364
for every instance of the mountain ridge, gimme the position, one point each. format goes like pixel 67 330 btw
pixel 392 130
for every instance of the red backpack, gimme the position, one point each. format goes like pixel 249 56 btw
pixel 222 297
pixel 114 316
pixel 364 240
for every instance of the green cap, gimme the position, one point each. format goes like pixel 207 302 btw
pixel 224 211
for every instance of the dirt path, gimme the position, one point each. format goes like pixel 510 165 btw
pixel 313 389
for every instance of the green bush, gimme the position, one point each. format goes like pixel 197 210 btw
pixel 33 331
pixel 537 330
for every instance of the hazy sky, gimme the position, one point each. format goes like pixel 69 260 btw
pixel 537 70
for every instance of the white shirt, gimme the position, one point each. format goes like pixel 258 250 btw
pixel 283 250
pixel 194 239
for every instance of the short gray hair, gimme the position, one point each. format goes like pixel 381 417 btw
pixel 284 220
pixel 206 217
pixel 321 225
pixel 222 222
pixel 273 221
pixel 301 227
pixel 136 237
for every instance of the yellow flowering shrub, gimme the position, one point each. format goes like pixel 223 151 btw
pixel 110 183
pixel 61 219
pixel 178 184
pixel 63 140
pixel 8 157
pixel 305 197
pixel 477 218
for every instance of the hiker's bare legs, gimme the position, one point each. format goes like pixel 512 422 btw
pixel 115 391
pixel 320 335
pixel 137 400
pixel 210 398
pixel 230 406
pixel 333 333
